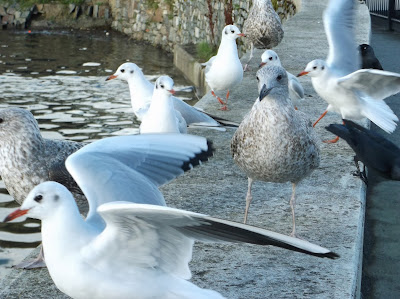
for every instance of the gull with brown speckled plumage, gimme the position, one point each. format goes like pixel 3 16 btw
pixel 275 142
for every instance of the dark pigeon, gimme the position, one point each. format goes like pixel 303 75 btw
pixel 368 58
pixel 371 148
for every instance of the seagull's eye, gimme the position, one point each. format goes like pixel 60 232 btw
pixel 314 68
pixel 279 78
pixel 258 79
pixel 38 198
pixel 270 58
pixel 122 71
pixel 162 85
pixel 232 31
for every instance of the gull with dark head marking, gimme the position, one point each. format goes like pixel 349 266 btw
pixel 141 92
pixel 262 27
pixel 349 91
pixel 162 116
pixel 368 58
pixel 224 71
pixel 126 249
pixel 296 91
pixel 275 142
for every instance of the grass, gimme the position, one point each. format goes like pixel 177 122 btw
pixel 205 51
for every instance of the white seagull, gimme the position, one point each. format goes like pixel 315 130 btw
pixel 296 91
pixel 126 249
pixel 161 116
pixel 141 92
pixel 224 70
pixel 353 93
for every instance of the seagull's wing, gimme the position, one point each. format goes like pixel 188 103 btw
pixel 339 23
pixel 193 115
pixel 208 64
pixel 376 84
pixel 157 237
pixel 295 86
pixel 131 168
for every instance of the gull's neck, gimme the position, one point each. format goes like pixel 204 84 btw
pixel 228 49
pixel 141 92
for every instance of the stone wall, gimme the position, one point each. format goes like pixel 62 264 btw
pixel 168 22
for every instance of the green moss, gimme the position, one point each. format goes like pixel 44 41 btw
pixel 205 51
pixel 275 4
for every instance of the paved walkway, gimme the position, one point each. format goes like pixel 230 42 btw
pixel 330 203
pixel 381 262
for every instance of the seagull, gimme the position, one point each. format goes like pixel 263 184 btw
pixel 141 91
pixel 368 58
pixel 296 91
pixel 371 148
pixel 125 248
pixel 262 27
pixel 224 71
pixel 275 142
pixel 161 116
pixel 27 159
pixel 352 93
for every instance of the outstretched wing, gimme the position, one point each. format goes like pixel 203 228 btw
pixel 339 23
pixel 131 168
pixel 156 237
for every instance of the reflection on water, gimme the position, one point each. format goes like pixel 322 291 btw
pixel 60 77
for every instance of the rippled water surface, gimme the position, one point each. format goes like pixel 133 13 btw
pixel 60 77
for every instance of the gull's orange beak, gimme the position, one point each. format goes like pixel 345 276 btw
pixel 172 91
pixel 111 77
pixel 302 73
pixel 241 34
pixel 262 64
pixel 15 214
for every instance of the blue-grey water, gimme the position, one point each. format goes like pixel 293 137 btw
pixel 60 76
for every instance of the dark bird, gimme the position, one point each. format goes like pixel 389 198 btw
pixel 368 58
pixel 371 148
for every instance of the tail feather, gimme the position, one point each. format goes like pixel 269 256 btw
pixel 379 113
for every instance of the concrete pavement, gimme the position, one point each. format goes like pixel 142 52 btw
pixel 330 203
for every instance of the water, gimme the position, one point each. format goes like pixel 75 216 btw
pixel 60 77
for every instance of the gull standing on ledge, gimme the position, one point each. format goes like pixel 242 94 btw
pixel 353 93
pixel 161 116
pixel 125 249
pixel 224 71
pixel 275 142
pixel 141 92
pixel 296 91
pixel 262 27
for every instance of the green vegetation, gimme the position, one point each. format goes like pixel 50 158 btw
pixel 275 4
pixel 205 51
pixel 30 3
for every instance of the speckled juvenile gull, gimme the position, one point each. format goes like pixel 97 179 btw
pixel 296 91
pixel 161 116
pixel 349 91
pixel 126 249
pixel 263 28
pixel 224 71
pixel 275 142
pixel 141 91
pixel 27 159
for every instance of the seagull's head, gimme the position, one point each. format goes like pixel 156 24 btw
pixel 365 49
pixel 272 80
pixel 164 85
pixel 18 123
pixel 269 57
pixel 231 32
pixel 126 71
pixel 314 68
pixel 43 201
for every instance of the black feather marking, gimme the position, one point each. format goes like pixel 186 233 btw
pixel 199 157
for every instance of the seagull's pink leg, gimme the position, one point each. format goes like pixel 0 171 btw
pixel 292 206
pixel 322 116
pixel 218 98
pixel 38 262
pixel 225 107
pixel 249 198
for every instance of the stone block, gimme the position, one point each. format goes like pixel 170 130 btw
pixel 107 13
pixel 71 8
pixel 77 12
pixel 2 11
pixel 11 10
pixel 95 11
pixel 89 11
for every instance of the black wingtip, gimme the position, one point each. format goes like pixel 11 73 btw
pixel 330 255
pixel 199 157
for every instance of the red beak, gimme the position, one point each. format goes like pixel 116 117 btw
pixel 172 91
pixel 261 64
pixel 302 73
pixel 15 214
pixel 111 77
pixel 241 34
